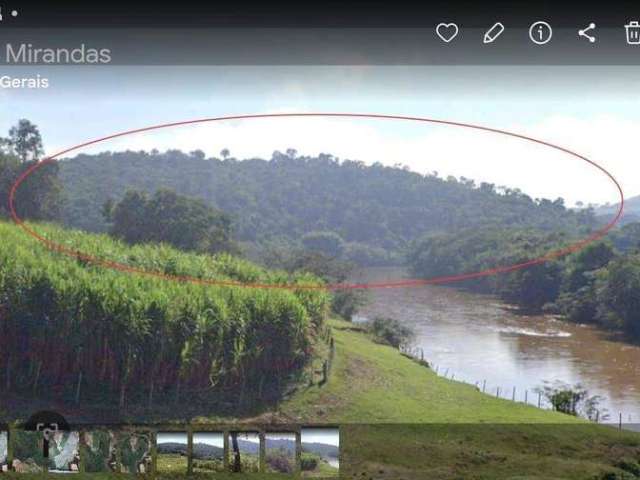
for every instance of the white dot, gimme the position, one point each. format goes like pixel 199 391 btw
pixel 14 13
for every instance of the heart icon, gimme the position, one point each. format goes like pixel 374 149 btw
pixel 447 31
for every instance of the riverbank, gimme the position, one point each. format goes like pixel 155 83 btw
pixel 400 420
pixel 482 340
pixel 375 383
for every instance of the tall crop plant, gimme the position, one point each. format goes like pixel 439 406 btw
pixel 94 334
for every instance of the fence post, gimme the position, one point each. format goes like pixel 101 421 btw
pixel 298 468
pixel 620 422
pixel 325 372
pixel 225 449
pixel 484 385
pixel 453 376
pixel 189 450
pixel 263 451
pixel 526 396
pixel 513 398
pixel 539 399
pixel 498 392
pixel 332 352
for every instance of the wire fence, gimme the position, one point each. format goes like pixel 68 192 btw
pixel 531 397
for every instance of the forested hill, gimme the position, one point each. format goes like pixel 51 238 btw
pixel 376 210
pixel 631 212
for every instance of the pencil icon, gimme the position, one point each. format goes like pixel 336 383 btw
pixel 493 33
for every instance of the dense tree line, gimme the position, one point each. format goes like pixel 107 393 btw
pixel 186 223
pixel 368 214
pixel 599 284
pixel 344 302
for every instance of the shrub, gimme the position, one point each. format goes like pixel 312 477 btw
pixel 390 331
pixel 629 465
pixel 573 400
pixel 309 461
pixel 279 461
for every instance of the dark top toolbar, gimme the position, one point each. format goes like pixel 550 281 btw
pixel 328 13
pixel 360 33
pixel 444 44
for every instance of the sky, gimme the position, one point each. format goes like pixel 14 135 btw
pixel 216 439
pixel 253 437
pixel 592 111
pixel 327 436
pixel 280 436
pixel 172 437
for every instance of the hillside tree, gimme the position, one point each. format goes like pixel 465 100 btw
pixel 184 222
pixel 39 197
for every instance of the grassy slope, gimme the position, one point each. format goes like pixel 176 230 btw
pixel 323 470
pixel 489 452
pixel 171 463
pixel 374 383
pixel 464 434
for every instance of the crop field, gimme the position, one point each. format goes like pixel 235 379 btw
pixel 88 333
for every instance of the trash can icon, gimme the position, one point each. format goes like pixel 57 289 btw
pixel 633 33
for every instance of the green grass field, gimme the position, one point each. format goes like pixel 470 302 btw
pixel 489 452
pixel 376 384
pixel 323 470
pixel 405 422
pixel 171 463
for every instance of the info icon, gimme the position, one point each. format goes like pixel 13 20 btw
pixel 540 33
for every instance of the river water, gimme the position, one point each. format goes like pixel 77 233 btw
pixel 477 338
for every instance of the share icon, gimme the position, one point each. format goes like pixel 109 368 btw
pixel 583 33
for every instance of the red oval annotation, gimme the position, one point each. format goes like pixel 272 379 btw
pixel 572 248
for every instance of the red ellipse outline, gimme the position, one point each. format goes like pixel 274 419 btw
pixel 574 247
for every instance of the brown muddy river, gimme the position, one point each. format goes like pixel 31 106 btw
pixel 477 338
